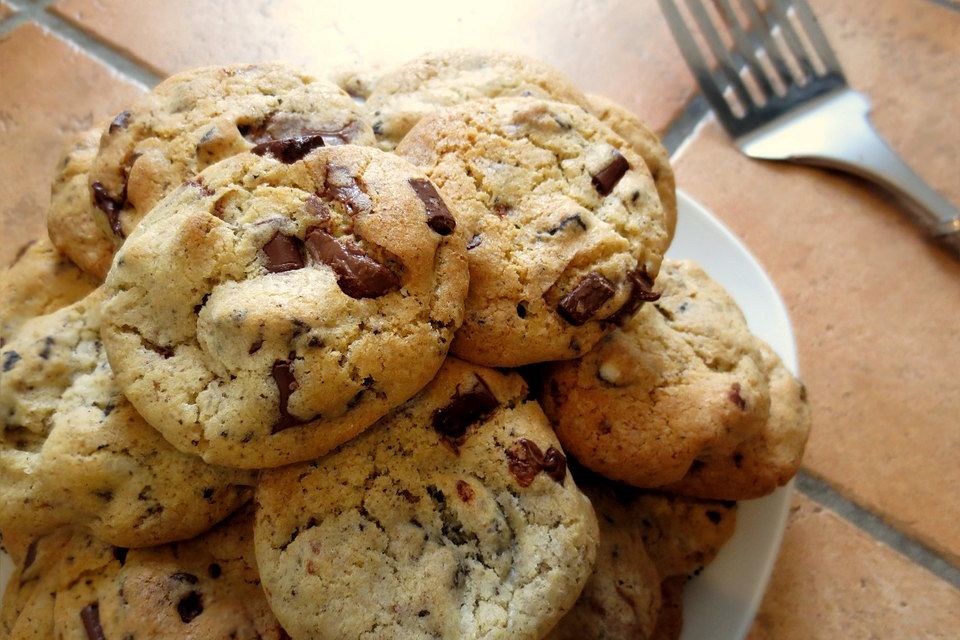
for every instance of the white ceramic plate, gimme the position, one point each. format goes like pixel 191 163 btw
pixel 721 602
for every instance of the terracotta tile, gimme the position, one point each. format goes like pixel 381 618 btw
pixel 48 91
pixel 834 581
pixel 621 48
pixel 874 305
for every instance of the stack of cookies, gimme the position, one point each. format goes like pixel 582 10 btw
pixel 388 356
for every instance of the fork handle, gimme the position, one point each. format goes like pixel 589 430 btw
pixel 837 134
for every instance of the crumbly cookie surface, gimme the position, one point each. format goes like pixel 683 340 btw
pixel 73 218
pixel 39 281
pixel 73 450
pixel 199 117
pixel 206 587
pixel 683 378
pixel 398 99
pixel 454 517
pixel 271 310
pixel 629 127
pixel 566 231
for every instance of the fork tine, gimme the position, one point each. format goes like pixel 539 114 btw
pixel 817 38
pixel 720 52
pixel 691 52
pixel 762 26
pixel 795 44
pixel 746 49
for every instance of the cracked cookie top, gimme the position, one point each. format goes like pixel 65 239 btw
pixel 398 99
pixel 190 121
pixel 565 231
pixel 682 385
pixel 73 451
pixel 453 517
pixel 206 587
pixel 277 305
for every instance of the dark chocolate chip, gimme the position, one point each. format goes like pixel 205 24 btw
pixel 474 242
pixel 120 553
pixel 502 209
pixel 282 253
pixel 408 496
pixel 31 555
pixel 255 346
pixel 734 396
pixel 317 209
pixel 466 407
pixel 608 177
pixel 342 186
pixel 109 205
pixel 197 308
pixel 90 616
pixel 423 613
pixel 641 291
pixel 465 491
pixel 522 310
pixel 10 360
pixel 587 297
pixel 574 220
pixel 714 516
pixel 289 150
pixel 439 217
pixel 555 464
pixel 197 184
pixel 738 460
pixel 207 493
pixel 290 125
pixel 286 385
pixel 121 121
pixel 214 570
pixel 358 275
pixel 525 461
pixel 190 606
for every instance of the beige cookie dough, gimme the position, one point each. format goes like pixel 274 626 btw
pixel 566 231
pixel 454 517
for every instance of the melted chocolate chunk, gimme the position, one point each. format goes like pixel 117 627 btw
pixel 358 275
pixel 342 186
pixel 641 291
pixel 465 491
pixel 466 407
pixel 190 606
pixel 121 121
pixel 608 177
pixel 286 385
pixel 109 205
pixel 525 461
pixel 555 464
pixel 290 125
pixel 574 220
pixel 736 398
pixel 283 253
pixel 289 150
pixel 10 360
pixel 317 209
pixel 439 217
pixel 590 294
pixel 90 616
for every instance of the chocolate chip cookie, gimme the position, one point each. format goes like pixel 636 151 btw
pixel 682 383
pixel 73 218
pixel 647 145
pixel 565 228
pixel 73 451
pixel 454 517
pixel 275 307
pixel 196 118
pixel 207 587
pixel 400 98
pixel 40 280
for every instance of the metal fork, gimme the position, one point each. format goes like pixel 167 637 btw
pixel 779 91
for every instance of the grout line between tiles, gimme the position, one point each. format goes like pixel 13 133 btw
pixel 822 493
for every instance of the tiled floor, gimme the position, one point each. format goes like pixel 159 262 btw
pixel 874 305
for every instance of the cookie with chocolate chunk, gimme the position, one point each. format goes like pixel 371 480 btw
pixel 281 303
pixel 453 517
pixel 73 217
pixel 73 451
pixel 683 383
pixel 206 587
pixel 647 145
pixel 566 231
pixel 186 123
pixel 398 99
pixel 40 280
